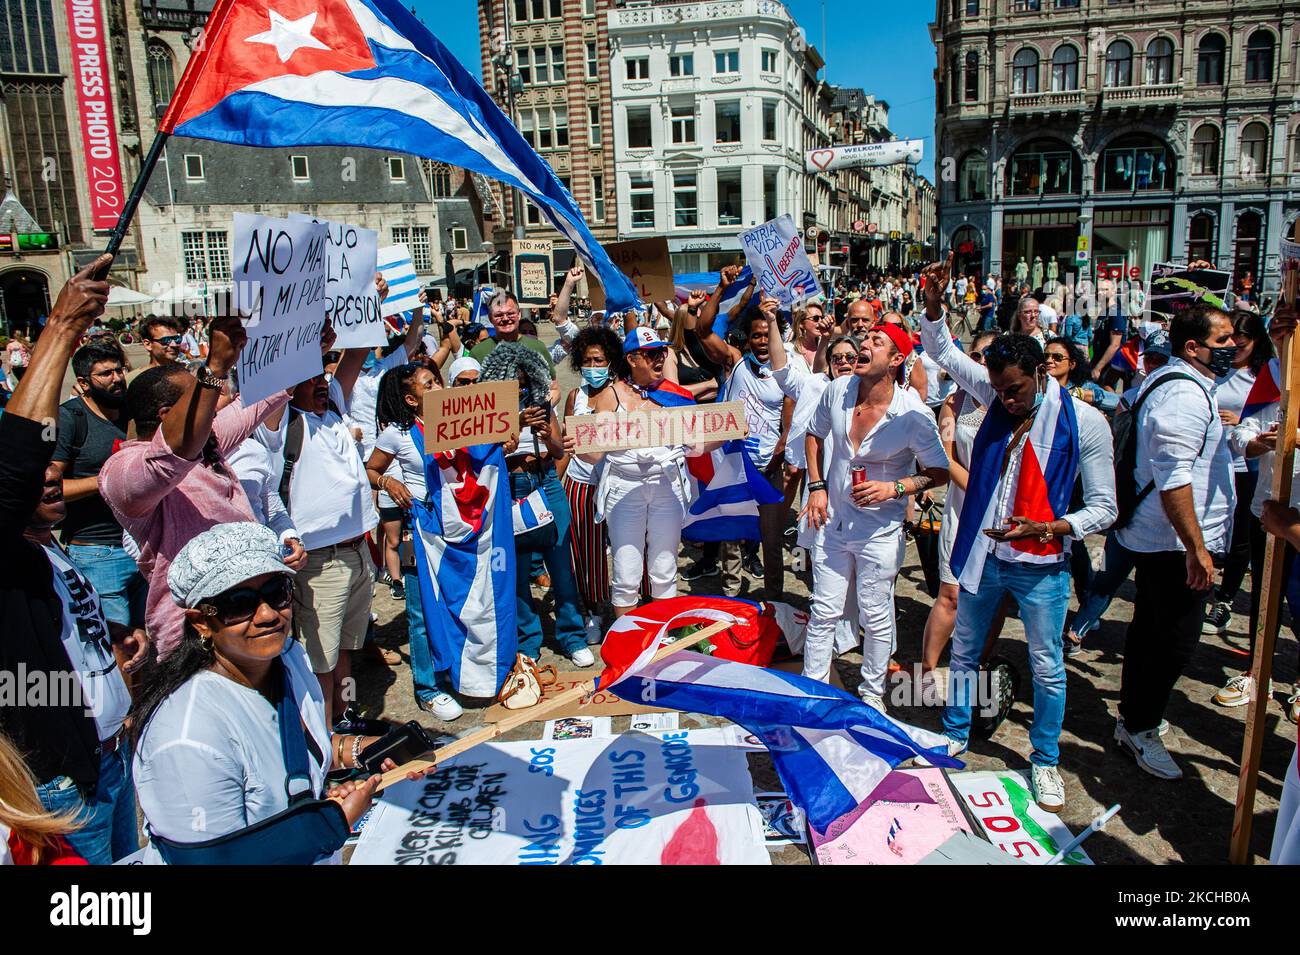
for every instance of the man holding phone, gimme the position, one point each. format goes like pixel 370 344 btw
pixel 1012 538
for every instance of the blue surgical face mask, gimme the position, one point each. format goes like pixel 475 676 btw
pixel 595 377
pixel 1038 397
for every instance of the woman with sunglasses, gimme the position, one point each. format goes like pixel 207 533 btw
pixel 211 758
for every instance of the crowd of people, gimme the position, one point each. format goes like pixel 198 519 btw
pixel 206 569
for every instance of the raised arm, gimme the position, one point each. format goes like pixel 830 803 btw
pixel 936 339
pixel 719 352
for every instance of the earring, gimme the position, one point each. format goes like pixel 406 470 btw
pixel 205 641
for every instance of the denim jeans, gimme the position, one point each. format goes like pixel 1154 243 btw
pixel 1043 593
pixel 1117 564
pixel 423 674
pixel 111 571
pixel 108 830
pixel 570 632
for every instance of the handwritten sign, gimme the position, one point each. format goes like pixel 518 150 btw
pixel 646 263
pixel 395 265
pixel 1175 288
pixel 776 254
pixel 351 301
pixel 485 413
pixel 533 265
pixel 279 270
pixel 1003 805
pixel 656 427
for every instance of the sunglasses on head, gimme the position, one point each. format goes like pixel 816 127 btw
pixel 242 603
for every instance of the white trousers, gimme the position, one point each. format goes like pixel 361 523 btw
pixel 644 520
pixel 872 566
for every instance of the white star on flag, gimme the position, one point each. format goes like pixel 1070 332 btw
pixel 289 36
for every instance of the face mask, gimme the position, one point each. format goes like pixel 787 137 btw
pixel 1038 397
pixel 1220 362
pixel 595 377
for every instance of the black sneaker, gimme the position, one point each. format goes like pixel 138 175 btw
pixel 754 567
pixel 1218 614
pixel 397 589
pixel 699 570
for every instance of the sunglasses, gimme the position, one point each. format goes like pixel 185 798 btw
pixel 843 359
pixel 167 340
pixel 1052 356
pixel 242 603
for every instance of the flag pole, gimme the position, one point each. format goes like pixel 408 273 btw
pixel 133 200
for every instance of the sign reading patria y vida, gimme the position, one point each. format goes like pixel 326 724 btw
pixel 656 427
pixel 486 413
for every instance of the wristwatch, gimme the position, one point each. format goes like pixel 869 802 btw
pixel 207 379
pixel 900 489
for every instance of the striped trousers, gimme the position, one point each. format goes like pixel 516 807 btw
pixel 587 545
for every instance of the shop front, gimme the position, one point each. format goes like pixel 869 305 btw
pixel 1127 241
pixel 1038 246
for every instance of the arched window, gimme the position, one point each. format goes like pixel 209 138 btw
pixel 967 251
pixel 162 77
pixel 1259 57
pixel 1044 167
pixel 1160 62
pixel 1135 163
pixel 1065 69
pixel 1200 237
pixel 1119 64
pixel 1210 55
pixel 1253 161
pixel 973 178
pixel 1205 150
pixel 972 77
pixel 1024 71
pixel 440 180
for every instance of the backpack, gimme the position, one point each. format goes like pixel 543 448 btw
pixel 1124 430
pixel 293 442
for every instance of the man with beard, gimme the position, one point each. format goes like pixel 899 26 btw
pixel 90 428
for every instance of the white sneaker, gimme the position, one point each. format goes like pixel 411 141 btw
pixel 1236 692
pixel 582 657
pixel 873 701
pixel 1048 787
pixel 595 631
pixel 1149 751
pixel 443 706
pixel 955 748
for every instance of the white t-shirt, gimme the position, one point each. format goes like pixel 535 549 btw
pixel 401 445
pixel 763 403
pixel 365 395
pixel 90 651
pixel 1230 394
pixel 259 464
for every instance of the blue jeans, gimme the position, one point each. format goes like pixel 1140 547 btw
pixel 1117 564
pixel 111 571
pixel 423 675
pixel 1043 593
pixel 108 830
pixel 570 632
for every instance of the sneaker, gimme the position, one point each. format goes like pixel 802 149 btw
pixel 397 589
pixel 595 630
pixel 443 706
pixel 1218 614
pixel 955 748
pixel 1236 692
pixel 1073 644
pixel 754 567
pixel 1149 751
pixel 1293 707
pixel 582 657
pixel 873 701
pixel 699 570
pixel 1048 787
pixel 1163 728
pixel 383 577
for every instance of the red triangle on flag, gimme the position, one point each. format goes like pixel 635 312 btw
pixel 1032 502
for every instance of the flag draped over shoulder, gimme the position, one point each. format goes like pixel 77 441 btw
pixel 726 490
pixel 363 73
pixel 1265 391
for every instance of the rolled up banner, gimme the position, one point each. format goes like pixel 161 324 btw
pixel 866 154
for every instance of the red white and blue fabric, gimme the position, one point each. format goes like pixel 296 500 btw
pixel 363 73
pixel 726 490
pixel 829 748
pixel 1048 469
pixel 465 558
pixel 1265 391
pixel 531 512
pixel 479 314
pixel 667 394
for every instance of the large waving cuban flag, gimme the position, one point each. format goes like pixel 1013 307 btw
pixel 726 489
pixel 363 73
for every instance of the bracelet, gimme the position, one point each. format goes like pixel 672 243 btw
pixel 356 751
pixel 207 379
pixel 816 486
pixel 1047 535
pixel 338 749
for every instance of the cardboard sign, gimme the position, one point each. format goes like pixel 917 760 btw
pixel 394 263
pixel 646 263
pixel 351 300
pixel 533 271
pixel 656 427
pixel 1003 805
pixel 775 251
pixel 600 703
pixel 278 269
pixel 1175 288
pixel 485 413
pixel 1290 270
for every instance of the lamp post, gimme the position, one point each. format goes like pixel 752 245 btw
pixel 504 63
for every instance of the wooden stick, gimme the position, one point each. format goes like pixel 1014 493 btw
pixel 518 718
pixel 1270 608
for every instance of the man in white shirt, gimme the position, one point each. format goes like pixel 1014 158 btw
pixel 1183 516
pixel 883 430
pixel 1016 528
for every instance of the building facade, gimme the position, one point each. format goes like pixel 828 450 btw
pixel 1095 138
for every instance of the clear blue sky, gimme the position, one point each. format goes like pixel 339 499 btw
pixel 882 46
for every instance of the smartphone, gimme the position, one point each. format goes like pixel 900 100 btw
pixel 996 534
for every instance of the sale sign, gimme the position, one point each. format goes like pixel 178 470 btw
pixel 91 79
pixel 486 413
pixel 656 427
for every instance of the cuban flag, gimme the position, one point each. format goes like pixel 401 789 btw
pixel 726 490
pixel 1048 468
pixel 363 73
pixel 478 314
pixel 1266 390
pixel 830 749
pixel 465 556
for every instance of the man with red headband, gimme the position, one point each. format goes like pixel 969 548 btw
pixel 863 446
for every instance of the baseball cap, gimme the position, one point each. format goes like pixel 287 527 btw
pixel 642 337
pixel 1158 343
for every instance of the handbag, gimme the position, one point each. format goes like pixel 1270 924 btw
pixel 523 687
pixel 928 531
pixel 534 523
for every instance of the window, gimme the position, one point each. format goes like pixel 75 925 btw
pixel 532 215
pixel 1209 60
pixel 162 75
pixel 727 121
pixel 193 166
pixel 527 127
pixel 557 9
pixel 523 65
pixel 27 38
pixel 638 127
pixel 638 67
pixel 642 193
pixel 561 116
pixel 440 180
pixel 206 256
pixel 401 235
pixel 1254 152
pixel 683 122
pixel 1205 150
pixel 521 11
pixel 769 121
pixel 1160 62
pixel 459 240
pixel 769 195
pixel 541 65
pixel 1044 167
pixel 593 62
pixel 972 178
pixel 598 198
pixel 1065 69
pixel 1200 238
pixel 729 202
pixel 593 124
pixel 421 252
pixel 769 61
pixel 681 64
pixel 685 207
pixel 1024 71
pixel 726 61
pixel 588 8
pixel 972 8
pixel 1119 64
pixel 1295 150
pixel 1134 164
pixel 396 169
pixel 1259 57
pixel 972 77
pixel 954 80
pixel 545 128
pixel 557 63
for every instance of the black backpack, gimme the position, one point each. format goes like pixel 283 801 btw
pixel 1123 430
pixel 293 441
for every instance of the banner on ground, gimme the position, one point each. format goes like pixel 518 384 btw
pixel 533 266
pixel 1003 805
pixel 775 251
pixel 351 300
pixel 486 413
pixel 395 265
pixel 829 158
pixel 674 798
pixel 1174 289
pixel 278 269
pixel 656 427
pixel 646 264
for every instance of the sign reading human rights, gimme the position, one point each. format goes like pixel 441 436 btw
pixel 486 413
pixel 865 154
pixel 656 427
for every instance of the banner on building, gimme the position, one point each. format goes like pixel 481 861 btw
pixel 646 263
pixel 92 79
pixel 830 158
pixel 533 265
pixel 351 300
pixel 775 251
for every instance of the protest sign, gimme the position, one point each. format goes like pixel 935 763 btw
pixel 485 413
pixel 1003 805
pixel 678 798
pixel 278 268
pixel 646 263
pixel 866 154
pixel 656 427
pixel 395 265
pixel 776 254
pixel 351 300
pixel 533 267
pixel 601 703
pixel 1174 289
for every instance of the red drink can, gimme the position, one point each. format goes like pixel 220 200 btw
pixel 858 474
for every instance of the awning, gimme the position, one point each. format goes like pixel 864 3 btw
pixel 120 296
